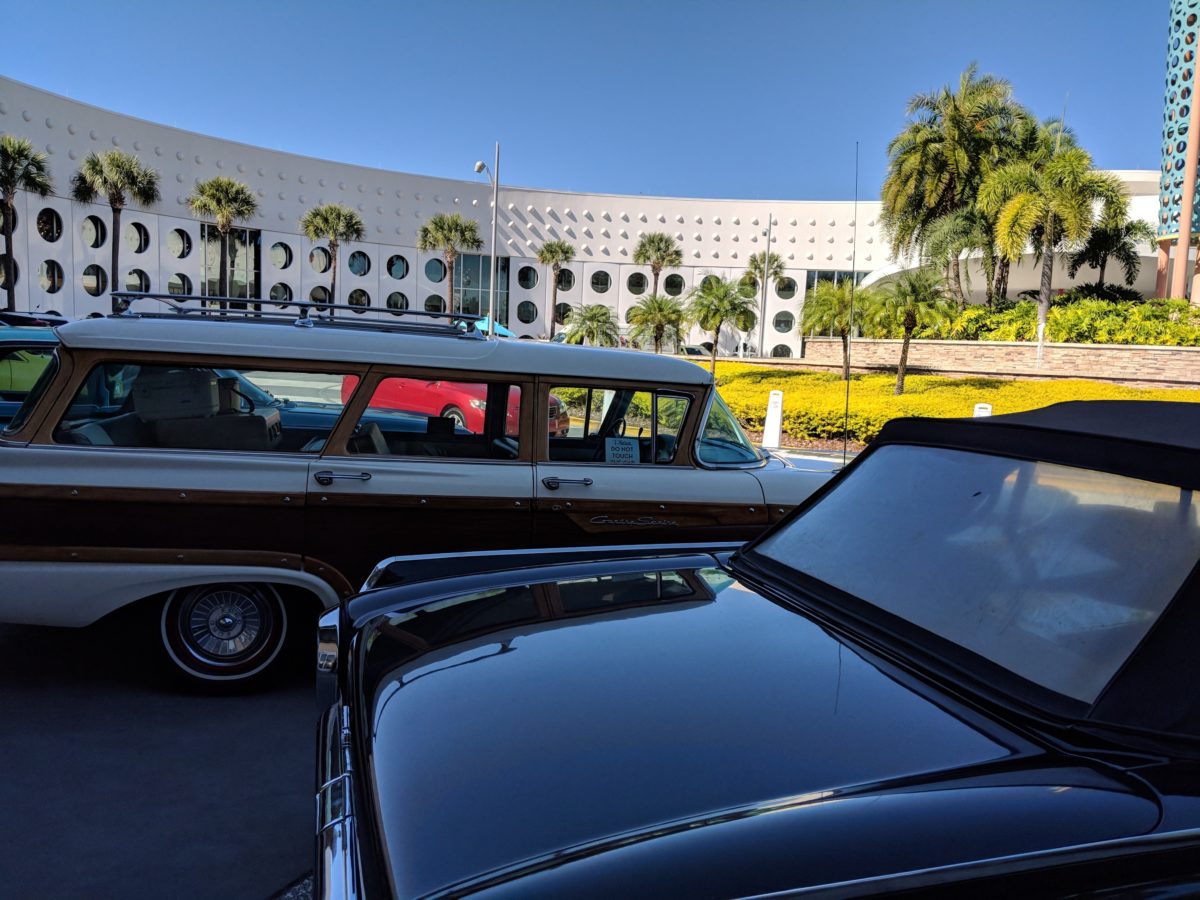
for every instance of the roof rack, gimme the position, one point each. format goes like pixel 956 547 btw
pixel 310 315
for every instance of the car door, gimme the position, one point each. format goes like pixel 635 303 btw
pixel 397 482
pixel 150 462
pixel 624 473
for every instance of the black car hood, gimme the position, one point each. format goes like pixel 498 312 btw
pixel 509 733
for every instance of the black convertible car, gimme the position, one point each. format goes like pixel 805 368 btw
pixel 969 664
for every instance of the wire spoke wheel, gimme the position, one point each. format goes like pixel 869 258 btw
pixel 223 632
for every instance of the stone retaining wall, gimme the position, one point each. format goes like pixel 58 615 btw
pixel 1140 365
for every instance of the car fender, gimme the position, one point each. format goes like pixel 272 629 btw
pixel 78 594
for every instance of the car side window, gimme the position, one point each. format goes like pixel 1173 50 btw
pixel 616 426
pixel 201 408
pixel 20 369
pixel 442 417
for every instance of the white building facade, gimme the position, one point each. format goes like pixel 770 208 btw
pixel 63 253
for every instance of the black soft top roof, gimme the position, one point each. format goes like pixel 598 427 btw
pixel 1149 439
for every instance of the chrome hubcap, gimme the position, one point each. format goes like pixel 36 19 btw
pixel 224 623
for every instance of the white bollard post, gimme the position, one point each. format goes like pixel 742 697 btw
pixel 773 427
pixel 982 409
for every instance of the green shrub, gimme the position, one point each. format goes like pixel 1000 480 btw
pixel 1086 321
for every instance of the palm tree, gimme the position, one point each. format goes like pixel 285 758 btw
pixel 774 269
pixel 1050 201
pixel 657 250
pixel 226 201
pixel 336 224
pixel 915 297
pixel 1119 241
pixel 593 324
pixel 21 169
pixel 833 309
pixel 452 234
pixel 118 177
pixel 657 318
pixel 720 300
pixel 555 254
pixel 936 164
pixel 960 232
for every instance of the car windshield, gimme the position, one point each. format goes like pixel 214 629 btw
pixel 1039 568
pixel 722 441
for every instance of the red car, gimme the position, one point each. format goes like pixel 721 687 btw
pixel 464 402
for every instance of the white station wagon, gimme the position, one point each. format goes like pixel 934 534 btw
pixel 231 470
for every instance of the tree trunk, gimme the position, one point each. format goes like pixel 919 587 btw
pixel 1100 276
pixel 10 287
pixel 115 285
pixel 450 283
pixel 658 337
pixel 956 287
pixel 553 300
pixel 903 367
pixel 223 270
pixel 655 271
pixel 1004 268
pixel 716 337
pixel 333 252
pixel 1047 275
pixel 989 274
pixel 845 356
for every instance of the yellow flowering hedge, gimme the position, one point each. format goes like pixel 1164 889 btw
pixel 814 402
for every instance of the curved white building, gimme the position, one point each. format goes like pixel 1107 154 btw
pixel 63 253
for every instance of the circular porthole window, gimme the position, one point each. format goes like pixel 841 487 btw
pixel 750 283
pixel 780 350
pixel 320 260
pixel 527 277
pixel 360 300
pixel 95 281
pixel 566 279
pixel 179 243
pixel 784 322
pixel 179 284
pixel 526 312
pixel 50 277
pixel 281 293
pixel 359 263
pixel 137 238
pixel 435 270
pixel 636 283
pixel 49 225
pixel 281 255
pixel 319 294
pixel 786 289
pixel 561 312
pixel 708 282
pixel 435 303
pixel 16 270
pixel 397 267
pixel 673 285
pixel 601 282
pixel 137 280
pixel 397 302
pixel 93 232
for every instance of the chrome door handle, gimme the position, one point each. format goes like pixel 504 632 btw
pixel 553 482
pixel 325 478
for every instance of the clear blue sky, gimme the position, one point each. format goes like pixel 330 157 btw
pixel 740 98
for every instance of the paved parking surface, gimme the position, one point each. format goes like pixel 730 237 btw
pixel 115 784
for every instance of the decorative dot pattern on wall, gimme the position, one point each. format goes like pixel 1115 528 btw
pixel 1183 41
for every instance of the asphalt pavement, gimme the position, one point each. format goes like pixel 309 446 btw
pixel 117 784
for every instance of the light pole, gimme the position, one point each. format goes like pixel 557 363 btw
pixel 494 177
pixel 762 323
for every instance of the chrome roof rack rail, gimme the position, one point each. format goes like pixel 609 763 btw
pixel 240 309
